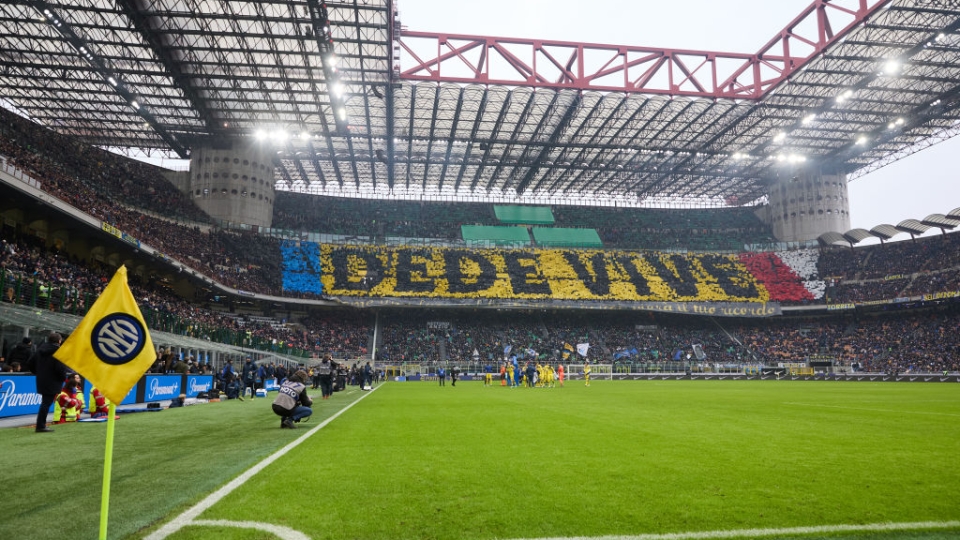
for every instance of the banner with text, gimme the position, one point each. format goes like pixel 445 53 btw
pixel 705 284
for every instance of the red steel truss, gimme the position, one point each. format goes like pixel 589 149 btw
pixel 620 68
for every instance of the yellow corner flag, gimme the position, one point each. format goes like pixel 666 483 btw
pixel 111 347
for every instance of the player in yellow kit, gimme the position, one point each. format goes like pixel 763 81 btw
pixel 586 372
pixel 550 376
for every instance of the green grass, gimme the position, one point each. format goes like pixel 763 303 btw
pixel 416 461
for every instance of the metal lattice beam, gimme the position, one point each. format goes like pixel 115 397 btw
pixel 466 59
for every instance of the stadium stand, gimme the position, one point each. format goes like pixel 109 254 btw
pixel 253 262
pixel 89 177
pixel 708 229
pixel 37 272
pixel 35 276
pixel 300 267
pixel 905 343
pixel 377 218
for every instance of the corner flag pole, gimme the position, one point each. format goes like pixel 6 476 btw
pixel 107 466
pixel 111 348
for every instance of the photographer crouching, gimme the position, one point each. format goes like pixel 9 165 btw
pixel 292 403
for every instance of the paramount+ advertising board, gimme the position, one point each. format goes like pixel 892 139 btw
pixel 18 393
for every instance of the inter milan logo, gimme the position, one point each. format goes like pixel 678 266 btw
pixel 117 339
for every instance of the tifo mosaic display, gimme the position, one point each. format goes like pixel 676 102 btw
pixel 558 274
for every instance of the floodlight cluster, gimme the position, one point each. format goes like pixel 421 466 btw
pixel 890 67
pixel 331 73
pixel 280 136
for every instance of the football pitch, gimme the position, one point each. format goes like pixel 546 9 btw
pixel 618 459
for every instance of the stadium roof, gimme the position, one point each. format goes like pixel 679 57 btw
pixel 885 231
pixel 848 86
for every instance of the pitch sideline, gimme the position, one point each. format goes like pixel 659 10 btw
pixel 761 533
pixel 188 517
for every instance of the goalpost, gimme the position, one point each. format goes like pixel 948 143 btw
pixel 597 371
pixel 797 368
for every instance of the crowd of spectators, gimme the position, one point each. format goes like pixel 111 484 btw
pixel 79 173
pixel 711 229
pixel 892 270
pixel 948 280
pixel 130 196
pixel 901 342
pixel 378 218
pixel 137 199
pixel 704 229
pixel 892 258
pixel 866 291
pixel 31 274
pixel 482 336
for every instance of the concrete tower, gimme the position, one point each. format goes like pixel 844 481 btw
pixel 233 182
pixel 805 204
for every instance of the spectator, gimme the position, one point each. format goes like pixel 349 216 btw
pixel 21 352
pixel 50 376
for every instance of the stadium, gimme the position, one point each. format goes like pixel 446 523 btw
pixel 286 180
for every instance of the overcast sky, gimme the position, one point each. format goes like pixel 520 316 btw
pixel 914 187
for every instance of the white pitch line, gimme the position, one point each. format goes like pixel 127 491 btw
pixel 189 516
pixel 868 409
pixel 760 533
pixel 284 533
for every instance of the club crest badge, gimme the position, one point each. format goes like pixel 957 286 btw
pixel 117 339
